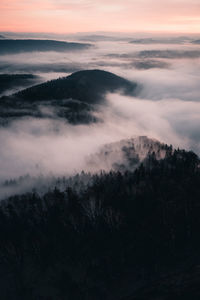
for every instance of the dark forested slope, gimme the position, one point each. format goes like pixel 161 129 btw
pixel 88 86
pixel 127 236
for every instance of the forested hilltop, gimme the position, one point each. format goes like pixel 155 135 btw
pixel 73 98
pixel 123 237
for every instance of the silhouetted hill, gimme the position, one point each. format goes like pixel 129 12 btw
pixel 127 236
pixel 87 86
pixel 12 81
pixel 2 37
pixel 73 97
pixel 8 46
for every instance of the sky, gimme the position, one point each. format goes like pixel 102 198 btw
pixel 70 16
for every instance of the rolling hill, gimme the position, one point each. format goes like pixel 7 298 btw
pixel 87 86
pixel 73 98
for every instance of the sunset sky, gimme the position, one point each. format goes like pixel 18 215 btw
pixel 68 16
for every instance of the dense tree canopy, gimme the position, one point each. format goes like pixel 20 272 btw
pixel 80 244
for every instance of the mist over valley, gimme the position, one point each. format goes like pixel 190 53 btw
pixel 99 166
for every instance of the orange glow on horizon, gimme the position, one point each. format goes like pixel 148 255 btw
pixel 69 16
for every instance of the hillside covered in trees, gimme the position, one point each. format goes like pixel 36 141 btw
pixel 87 86
pixel 129 235
pixel 73 98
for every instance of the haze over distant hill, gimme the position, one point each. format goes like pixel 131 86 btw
pixel 8 82
pixel 121 156
pixel 104 38
pixel 127 154
pixel 176 40
pixel 9 46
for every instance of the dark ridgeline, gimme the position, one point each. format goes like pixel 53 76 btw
pixel 73 97
pixel 127 236
pixel 10 46
pixel 88 86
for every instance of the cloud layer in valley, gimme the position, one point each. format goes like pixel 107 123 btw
pixel 167 107
pixel 51 146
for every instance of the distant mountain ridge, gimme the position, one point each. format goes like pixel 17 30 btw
pixel 177 40
pixel 196 42
pixel 9 46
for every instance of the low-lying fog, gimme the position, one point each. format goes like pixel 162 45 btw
pixel 167 107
